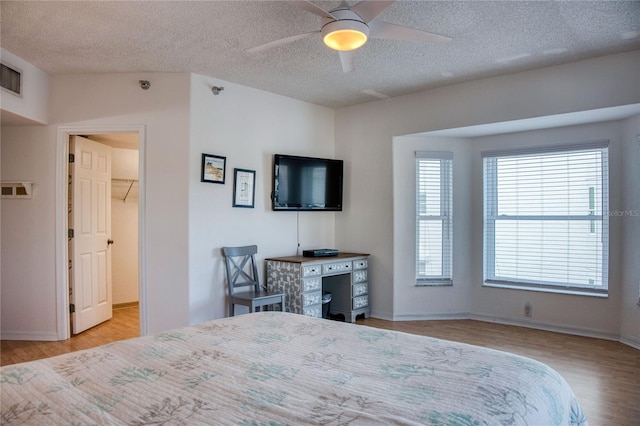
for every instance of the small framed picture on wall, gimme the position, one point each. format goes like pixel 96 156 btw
pixel 213 168
pixel 244 193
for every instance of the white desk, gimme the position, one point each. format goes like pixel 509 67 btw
pixel 303 279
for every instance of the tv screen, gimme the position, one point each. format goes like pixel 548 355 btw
pixel 305 183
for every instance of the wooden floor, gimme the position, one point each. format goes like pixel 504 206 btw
pixel 604 375
pixel 123 325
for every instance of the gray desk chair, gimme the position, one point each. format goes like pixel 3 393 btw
pixel 242 278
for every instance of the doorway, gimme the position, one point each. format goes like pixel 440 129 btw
pixel 114 250
pixel 127 208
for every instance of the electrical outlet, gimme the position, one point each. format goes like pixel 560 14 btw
pixel 527 309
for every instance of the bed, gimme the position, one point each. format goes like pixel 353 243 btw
pixel 275 368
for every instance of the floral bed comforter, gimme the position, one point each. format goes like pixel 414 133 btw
pixel 275 368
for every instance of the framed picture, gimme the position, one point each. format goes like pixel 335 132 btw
pixel 213 168
pixel 244 184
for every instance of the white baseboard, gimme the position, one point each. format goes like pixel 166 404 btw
pixel 126 305
pixel 432 317
pixel 538 325
pixel 634 342
pixel 381 316
pixel 20 335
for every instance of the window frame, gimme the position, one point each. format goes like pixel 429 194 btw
pixel 445 217
pixel 490 216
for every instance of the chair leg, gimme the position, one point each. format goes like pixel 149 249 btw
pixel 231 309
pixel 282 304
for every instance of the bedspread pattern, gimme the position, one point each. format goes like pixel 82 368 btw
pixel 277 368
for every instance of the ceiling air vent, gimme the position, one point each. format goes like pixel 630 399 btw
pixel 11 79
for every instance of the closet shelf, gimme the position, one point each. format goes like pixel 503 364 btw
pixel 131 182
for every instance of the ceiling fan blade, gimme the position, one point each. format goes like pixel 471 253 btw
pixel 347 59
pixel 369 9
pixel 380 29
pixel 280 42
pixel 310 7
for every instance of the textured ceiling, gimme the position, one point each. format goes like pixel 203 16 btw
pixel 211 38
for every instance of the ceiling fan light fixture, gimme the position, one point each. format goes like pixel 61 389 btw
pixel 345 39
pixel 348 32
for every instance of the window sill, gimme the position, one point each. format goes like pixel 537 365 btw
pixel 559 290
pixel 435 283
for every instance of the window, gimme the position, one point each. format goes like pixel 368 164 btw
pixel 434 194
pixel 546 220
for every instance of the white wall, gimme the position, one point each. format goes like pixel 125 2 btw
pixel 592 315
pixel 33 104
pixel 187 221
pixel 364 135
pixel 28 303
pixel 411 301
pixel 587 314
pixel 28 285
pixel 124 226
pixel 117 99
pixel 630 312
pixel 247 126
pixel 124 253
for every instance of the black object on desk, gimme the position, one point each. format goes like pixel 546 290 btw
pixel 320 252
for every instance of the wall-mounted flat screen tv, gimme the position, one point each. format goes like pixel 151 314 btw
pixel 305 183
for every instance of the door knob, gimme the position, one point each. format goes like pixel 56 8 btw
pixel 109 241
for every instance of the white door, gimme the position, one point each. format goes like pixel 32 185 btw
pixel 91 223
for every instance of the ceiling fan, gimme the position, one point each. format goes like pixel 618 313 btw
pixel 345 29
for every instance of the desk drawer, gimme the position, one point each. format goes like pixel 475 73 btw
pixel 360 289
pixel 311 270
pixel 360 302
pixel 358 277
pixel 314 298
pixel 311 284
pixel 360 264
pixel 334 268
pixel 312 311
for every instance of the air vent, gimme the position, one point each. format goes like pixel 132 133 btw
pixel 16 189
pixel 11 79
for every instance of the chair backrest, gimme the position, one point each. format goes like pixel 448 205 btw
pixel 241 267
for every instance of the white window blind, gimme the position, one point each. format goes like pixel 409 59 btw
pixel 434 227
pixel 546 220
